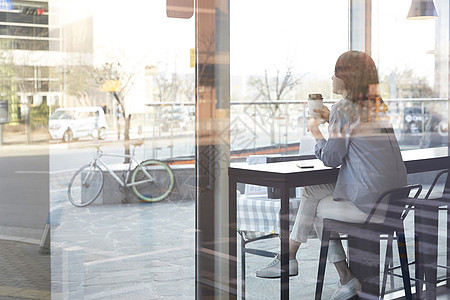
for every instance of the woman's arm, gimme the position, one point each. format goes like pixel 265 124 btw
pixel 313 123
pixel 313 127
pixel 333 151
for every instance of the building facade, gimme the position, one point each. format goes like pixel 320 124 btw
pixel 29 73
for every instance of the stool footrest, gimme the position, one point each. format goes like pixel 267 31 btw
pixel 260 252
pixel 442 279
pixel 444 267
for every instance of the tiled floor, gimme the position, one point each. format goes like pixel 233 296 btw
pixel 138 251
pixel 147 250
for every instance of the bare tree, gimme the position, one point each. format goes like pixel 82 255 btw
pixel 276 87
pixel 118 80
pixel 172 86
pixel 79 82
pixel 168 86
pixel 273 89
pixel 187 88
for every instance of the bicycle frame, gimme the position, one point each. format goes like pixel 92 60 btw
pixel 133 162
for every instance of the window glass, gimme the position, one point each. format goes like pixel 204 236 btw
pixel 139 65
pixel 30 45
pixel 410 56
pixel 28 31
pixel 280 52
pixel 139 71
pixel 277 43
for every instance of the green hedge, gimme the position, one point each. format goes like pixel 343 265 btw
pixel 39 115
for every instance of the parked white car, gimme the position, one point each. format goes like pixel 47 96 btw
pixel 72 123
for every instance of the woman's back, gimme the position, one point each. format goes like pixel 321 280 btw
pixel 369 155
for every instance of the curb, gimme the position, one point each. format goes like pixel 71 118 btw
pixel 19 239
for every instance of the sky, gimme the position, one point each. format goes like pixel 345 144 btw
pixel 268 34
pixel 265 34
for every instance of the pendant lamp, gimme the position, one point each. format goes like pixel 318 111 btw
pixel 422 10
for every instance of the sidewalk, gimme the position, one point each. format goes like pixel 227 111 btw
pixel 19 137
pixel 131 251
pixel 146 251
pixel 25 273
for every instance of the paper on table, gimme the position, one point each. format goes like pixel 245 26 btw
pixel 257 190
pixel 307 144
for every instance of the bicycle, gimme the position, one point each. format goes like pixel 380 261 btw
pixel 151 180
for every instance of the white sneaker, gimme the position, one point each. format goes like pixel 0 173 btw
pixel 273 269
pixel 348 290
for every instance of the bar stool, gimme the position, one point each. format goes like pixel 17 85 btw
pixel 428 233
pixel 364 240
pixel 445 203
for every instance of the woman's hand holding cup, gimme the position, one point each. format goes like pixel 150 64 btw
pixel 313 124
pixel 313 127
pixel 324 113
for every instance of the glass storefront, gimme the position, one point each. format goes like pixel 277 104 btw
pixel 200 86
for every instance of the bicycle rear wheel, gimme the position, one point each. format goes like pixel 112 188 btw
pixel 155 186
pixel 85 185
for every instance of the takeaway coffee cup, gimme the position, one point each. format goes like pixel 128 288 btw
pixel 315 101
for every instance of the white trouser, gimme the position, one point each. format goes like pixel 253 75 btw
pixel 317 204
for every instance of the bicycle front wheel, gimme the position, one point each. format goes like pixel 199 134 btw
pixel 152 180
pixel 85 185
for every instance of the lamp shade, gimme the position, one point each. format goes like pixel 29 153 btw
pixel 422 10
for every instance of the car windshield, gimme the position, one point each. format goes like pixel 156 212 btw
pixel 63 115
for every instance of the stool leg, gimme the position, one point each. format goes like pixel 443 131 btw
pixel 448 247
pixel 428 241
pixel 419 274
pixel 391 265
pixel 242 267
pixel 401 243
pixel 387 264
pixel 322 262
